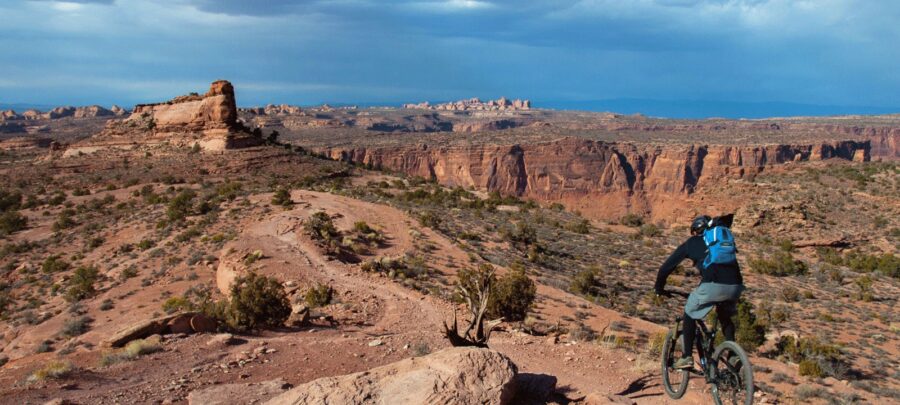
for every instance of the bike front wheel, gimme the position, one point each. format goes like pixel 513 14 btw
pixel 732 375
pixel 675 382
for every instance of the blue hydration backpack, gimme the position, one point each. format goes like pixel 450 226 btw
pixel 720 246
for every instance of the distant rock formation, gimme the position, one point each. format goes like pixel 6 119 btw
pixel 501 104
pixel 271 109
pixel 208 120
pixel 90 111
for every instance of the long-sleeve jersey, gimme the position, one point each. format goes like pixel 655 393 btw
pixel 695 249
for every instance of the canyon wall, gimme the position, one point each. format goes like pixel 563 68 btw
pixel 601 179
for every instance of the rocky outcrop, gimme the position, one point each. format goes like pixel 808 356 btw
pixel 92 111
pixel 177 323
pixel 118 111
pixel 228 394
pixel 475 104
pixel 208 121
pixel 8 115
pixel 32 115
pixel 60 112
pixel 214 110
pixel 592 175
pixel 457 375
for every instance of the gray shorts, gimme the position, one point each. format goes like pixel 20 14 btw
pixel 707 295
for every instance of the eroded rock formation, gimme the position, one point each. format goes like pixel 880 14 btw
pixel 208 120
pixel 192 113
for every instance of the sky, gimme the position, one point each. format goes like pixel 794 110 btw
pixel 660 57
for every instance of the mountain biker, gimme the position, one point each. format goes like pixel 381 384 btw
pixel 720 286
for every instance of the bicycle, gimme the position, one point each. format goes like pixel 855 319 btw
pixel 726 367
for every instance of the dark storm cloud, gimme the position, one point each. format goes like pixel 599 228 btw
pixel 305 51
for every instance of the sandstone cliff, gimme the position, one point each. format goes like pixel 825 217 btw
pixel 602 179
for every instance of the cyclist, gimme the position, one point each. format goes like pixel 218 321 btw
pixel 720 286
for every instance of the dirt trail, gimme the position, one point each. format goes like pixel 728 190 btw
pixel 581 368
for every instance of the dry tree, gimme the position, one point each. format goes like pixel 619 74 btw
pixel 474 288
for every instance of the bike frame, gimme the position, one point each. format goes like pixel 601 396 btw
pixel 705 345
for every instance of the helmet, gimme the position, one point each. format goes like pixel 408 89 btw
pixel 699 224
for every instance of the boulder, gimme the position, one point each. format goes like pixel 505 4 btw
pixel 138 330
pixel 223 339
pixel 459 375
pixel 299 316
pixel 203 324
pixel 181 324
pixel 227 394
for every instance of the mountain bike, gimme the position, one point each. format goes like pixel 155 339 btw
pixel 725 367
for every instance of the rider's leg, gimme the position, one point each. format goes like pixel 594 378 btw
pixel 724 313
pixel 688 335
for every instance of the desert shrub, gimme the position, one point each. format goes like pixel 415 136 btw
pixel 816 358
pixel 810 368
pixel 790 294
pixel 54 264
pixel 319 295
pixel 521 235
pixel 584 281
pixel 134 349
pixel 282 197
pixel 76 326
pixel 175 304
pixel 429 219
pixel 807 392
pixel 10 200
pixel 64 220
pixel 320 227
pixel 81 284
pixel 786 245
pixel 886 264
pixel 55 369
pixel 583 226
pixel 256 301
pixel 106 305
pixel 11 222
pixel 750 333
pixel 650 230
pixel 632 220
pixel 655 343
pixel 181 205
pixel 864 284
pixel 779 264
pixel 830 256
pixel 582 333
pixel 512 296
pixel 128 272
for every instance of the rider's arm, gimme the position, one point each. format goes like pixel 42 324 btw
pixel 668 266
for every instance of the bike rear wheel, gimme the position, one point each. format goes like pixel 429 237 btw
pixel 675 381
pixel 732 374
